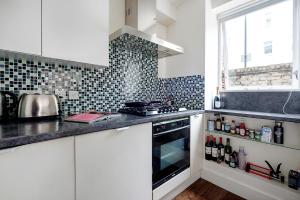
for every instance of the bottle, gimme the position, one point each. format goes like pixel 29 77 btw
pixel 217 100
pixel 242 128
pixel 223 124
pixel 208 146
pixel 242 158
pixel 228 151
pixel 221 150
pixel 232 131
pixel 278 133
pixel 227 127
pixel 214 150
pixel 218 123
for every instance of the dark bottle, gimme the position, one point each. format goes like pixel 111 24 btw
pixel 221 149
pixel 217 100
pixel 214 150
pixel 218 123
pixel 208 146
pixel 223 124
pixel 228 151
pixel 278 133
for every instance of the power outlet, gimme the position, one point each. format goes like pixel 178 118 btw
pixel 73 95
pixel 61 93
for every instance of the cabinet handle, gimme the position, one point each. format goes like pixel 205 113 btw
pixel 5 151
pixel 122 129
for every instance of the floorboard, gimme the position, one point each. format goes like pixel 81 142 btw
pixel 204 190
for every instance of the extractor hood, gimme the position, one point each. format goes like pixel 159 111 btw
pixel 140 15
pixel 165 49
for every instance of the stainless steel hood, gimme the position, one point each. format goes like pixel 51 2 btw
pixel 165 49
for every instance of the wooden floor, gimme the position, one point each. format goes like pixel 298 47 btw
pixel 203 190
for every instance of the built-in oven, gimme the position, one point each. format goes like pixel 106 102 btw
pixel 171 149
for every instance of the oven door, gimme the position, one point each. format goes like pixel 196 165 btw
pixel 170 154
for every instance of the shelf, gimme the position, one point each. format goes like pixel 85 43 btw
pixel 260 115
pixel 243 175
pixel 294 147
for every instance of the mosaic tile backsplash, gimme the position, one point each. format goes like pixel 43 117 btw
pixel 131 76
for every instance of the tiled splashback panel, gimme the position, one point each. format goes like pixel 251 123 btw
pixel 270 102
pixel 186 91
pixel 132 76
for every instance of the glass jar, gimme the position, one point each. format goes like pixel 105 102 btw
pixel 257 135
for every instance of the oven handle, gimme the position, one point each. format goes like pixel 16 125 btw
pixel 165 132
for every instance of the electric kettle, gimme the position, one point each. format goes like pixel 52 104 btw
pixel 5 108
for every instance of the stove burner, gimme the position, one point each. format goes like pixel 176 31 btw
pixel 149 109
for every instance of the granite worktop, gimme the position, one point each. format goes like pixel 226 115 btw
pixel 21 133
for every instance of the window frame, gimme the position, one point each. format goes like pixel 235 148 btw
pixel 246 9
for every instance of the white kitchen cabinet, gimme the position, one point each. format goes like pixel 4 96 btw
pixel 115 164
pixel 41 171
pixel 76 30
pixel 197 134
pixel 20 26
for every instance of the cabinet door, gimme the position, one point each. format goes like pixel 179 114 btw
pixel 20 26
pixel 115 164
pixel 197 132
pixel 76 30
pixel 41 171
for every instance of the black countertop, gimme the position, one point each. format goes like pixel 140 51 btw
pixel 21 133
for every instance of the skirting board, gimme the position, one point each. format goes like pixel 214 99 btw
pixel 246 185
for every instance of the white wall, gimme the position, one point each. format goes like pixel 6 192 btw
pixel 166 11
pixel 116 14
pixel 188 32
pixel 211 53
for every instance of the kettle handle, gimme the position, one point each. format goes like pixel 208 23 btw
pixel 14 98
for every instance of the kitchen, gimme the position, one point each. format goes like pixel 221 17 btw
pixel 117 99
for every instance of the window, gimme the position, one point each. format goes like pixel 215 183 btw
pixel 257 46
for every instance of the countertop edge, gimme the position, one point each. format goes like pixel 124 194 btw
pixel 77 130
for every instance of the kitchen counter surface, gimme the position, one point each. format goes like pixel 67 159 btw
pixel 21 133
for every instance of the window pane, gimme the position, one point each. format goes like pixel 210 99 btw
pixel 234 42
pixel 258 48
pixel 270 35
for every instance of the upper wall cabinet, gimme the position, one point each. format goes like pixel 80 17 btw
pixel 76 30
pixel 20 26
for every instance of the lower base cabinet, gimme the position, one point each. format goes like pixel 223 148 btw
pixel 41 171
pixel 115 164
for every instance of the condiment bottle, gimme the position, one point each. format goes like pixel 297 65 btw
pixel 232 127
pixel 218 123
pixel 242 128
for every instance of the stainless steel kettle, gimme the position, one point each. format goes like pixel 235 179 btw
pixel 5 108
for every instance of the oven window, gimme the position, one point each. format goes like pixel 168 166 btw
pixel 172 153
